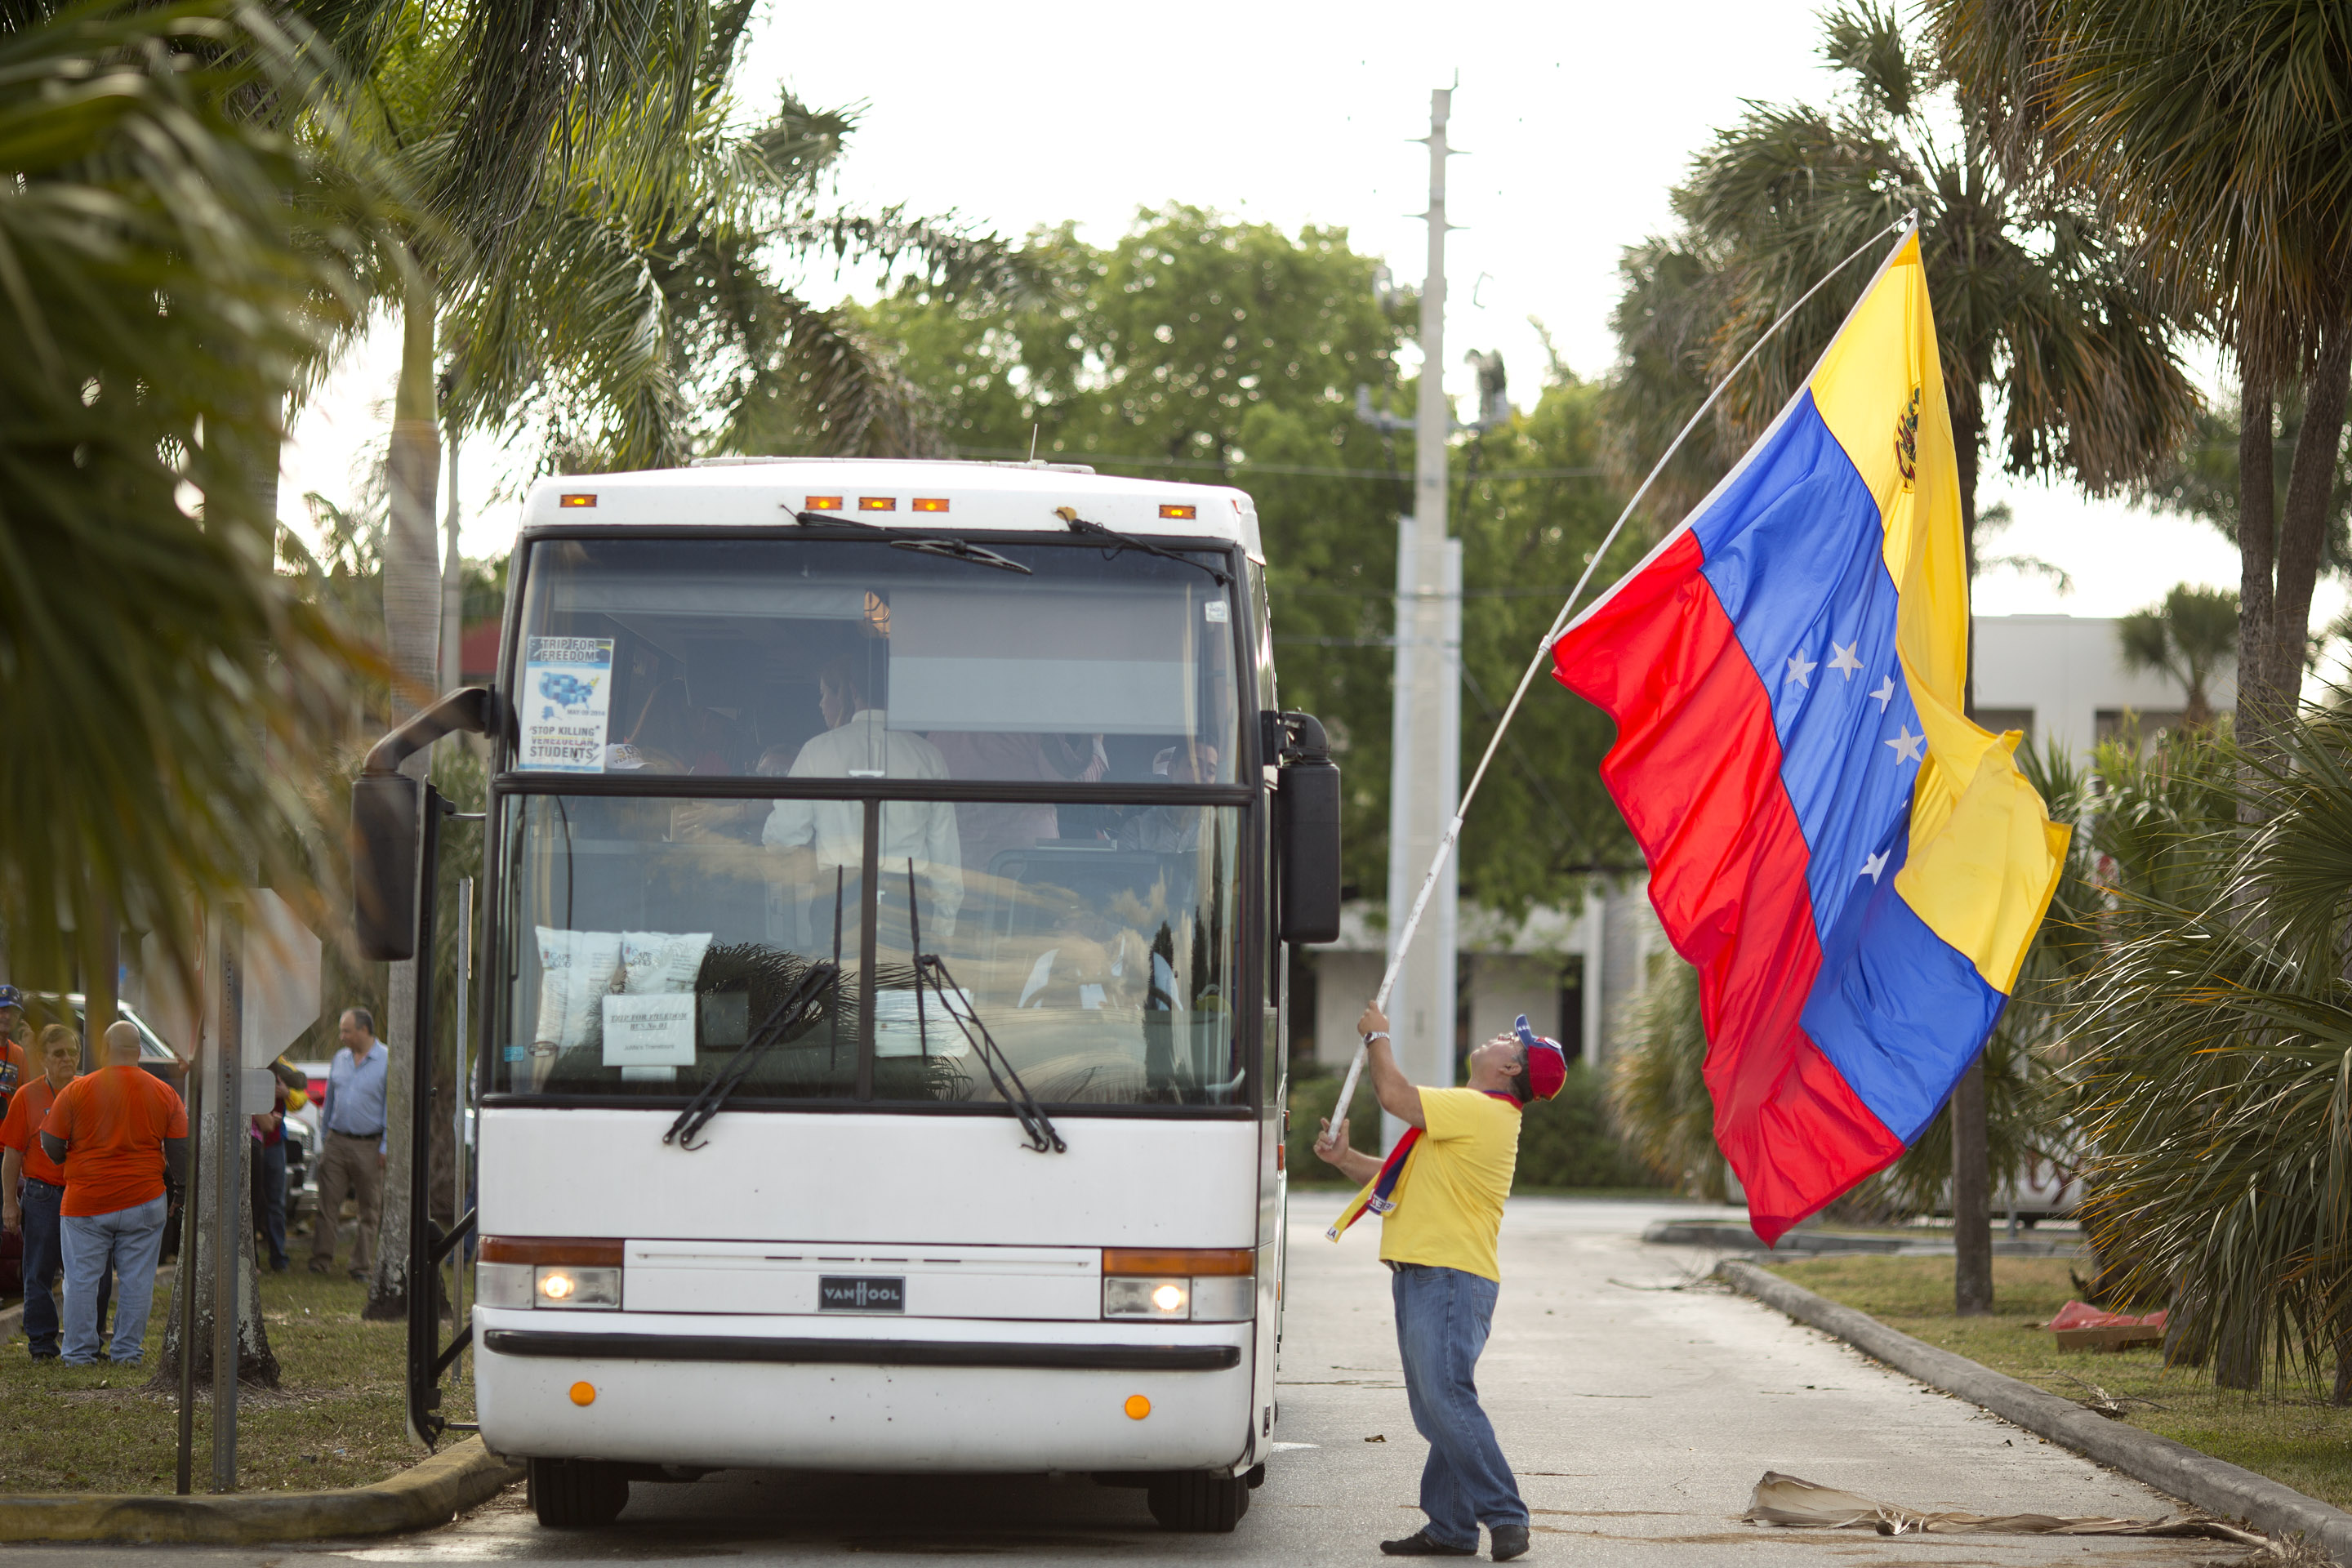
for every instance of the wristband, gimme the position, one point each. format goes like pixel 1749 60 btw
pixel 1376 1035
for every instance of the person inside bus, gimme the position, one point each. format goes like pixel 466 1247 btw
pixel 818 836
pixel 1172 829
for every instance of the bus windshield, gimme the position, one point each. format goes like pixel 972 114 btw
pixel 828 657
pixel 649 936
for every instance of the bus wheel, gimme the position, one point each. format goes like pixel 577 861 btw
pixel 576 1494
pixel 1194 1503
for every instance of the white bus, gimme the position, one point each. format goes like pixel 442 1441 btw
pixel 888 873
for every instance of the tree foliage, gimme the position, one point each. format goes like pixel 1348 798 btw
pixel 175 250
pixel 2215 1080
pixel 2188 637
pixel 2215 136
pixel 2039 317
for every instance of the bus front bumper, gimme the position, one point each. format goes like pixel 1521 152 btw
pixel 863 1394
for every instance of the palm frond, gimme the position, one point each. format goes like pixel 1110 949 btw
pixel 162 288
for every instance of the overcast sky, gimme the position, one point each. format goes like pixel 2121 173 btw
pixel 1576 119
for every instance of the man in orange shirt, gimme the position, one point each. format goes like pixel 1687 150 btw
pixel 116 1132
pixel 32 1187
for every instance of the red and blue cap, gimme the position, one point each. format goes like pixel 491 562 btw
pixel 1547 1062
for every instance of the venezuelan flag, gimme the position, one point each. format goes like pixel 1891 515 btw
pixel 1853 865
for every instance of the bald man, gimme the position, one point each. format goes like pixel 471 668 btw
pixel 116 1132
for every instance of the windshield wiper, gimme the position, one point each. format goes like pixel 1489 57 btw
pixel 801 1004
pixel 956 1004
pixel 1070 515
pixel 823 519
pixel 960 549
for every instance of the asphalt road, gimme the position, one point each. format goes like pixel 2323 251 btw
pixel 1638 1405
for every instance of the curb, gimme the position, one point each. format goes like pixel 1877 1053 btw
pixel 2220 1488
pixel 423 1496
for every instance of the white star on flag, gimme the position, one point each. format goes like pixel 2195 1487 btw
pixel 1800 667
pixel 1908 745
pixel 1884 694
pixel 1845 662
pixel 1874 865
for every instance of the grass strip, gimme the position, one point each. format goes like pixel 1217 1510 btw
pixel 335 1420
pixel 2292 1434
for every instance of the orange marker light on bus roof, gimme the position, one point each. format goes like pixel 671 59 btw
pixel 1137 1407
pixel 1179 512
pixel 577 499
pixel 584 1394
pixel 878 503
pixel 822 503
pixel 931 503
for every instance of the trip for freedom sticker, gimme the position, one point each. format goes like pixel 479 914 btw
pixel 567 703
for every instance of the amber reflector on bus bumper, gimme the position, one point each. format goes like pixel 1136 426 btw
pixel 1201 1261
pixel 878 503
pixel 589 1251
pixel 1176 511
pixel 577 500
pixel 822 503
pixel 931 503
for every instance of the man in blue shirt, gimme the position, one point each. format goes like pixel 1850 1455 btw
pixel 352 1117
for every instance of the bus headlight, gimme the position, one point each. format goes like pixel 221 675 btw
pixel 1180 1285
pixel 564 1271
pixel 1169 1301
pixel 564 1285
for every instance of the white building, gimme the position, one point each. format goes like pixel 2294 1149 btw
pixel 2062 678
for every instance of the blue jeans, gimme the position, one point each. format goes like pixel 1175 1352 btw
pixel 127 1240
pixel 1442 1319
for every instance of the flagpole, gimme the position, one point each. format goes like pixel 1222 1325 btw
pixel 1907 221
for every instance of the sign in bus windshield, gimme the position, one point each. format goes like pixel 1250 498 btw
pixel 652 932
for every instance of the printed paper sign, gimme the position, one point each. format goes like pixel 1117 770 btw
pixel 649 1031
pixel 566 703
pixel 900 1031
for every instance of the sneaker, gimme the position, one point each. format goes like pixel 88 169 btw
pixel 354 1273
pixel 320 1266
pixel 1509 1540
pixel 1419 1545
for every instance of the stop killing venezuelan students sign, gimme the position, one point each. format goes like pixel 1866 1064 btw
pixel 1853 865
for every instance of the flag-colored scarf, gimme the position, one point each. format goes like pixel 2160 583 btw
pixel 1378 1193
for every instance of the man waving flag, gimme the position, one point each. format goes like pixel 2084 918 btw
pixel 1854 866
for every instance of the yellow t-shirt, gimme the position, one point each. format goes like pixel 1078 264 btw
pixel 1450 1199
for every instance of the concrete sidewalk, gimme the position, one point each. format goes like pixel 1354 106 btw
pixel 1639 1416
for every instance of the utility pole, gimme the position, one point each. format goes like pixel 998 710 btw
pixel 1425 769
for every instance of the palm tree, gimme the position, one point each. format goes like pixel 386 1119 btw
pixel 2188 637
pixel 478 106
pixel 2216 1031
pixel 2033 305
pixel 2214 132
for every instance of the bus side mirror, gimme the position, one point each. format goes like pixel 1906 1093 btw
pixel 386 809
pixel 387 813
pixel 1306 825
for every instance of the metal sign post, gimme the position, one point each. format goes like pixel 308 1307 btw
pixel 228 1180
